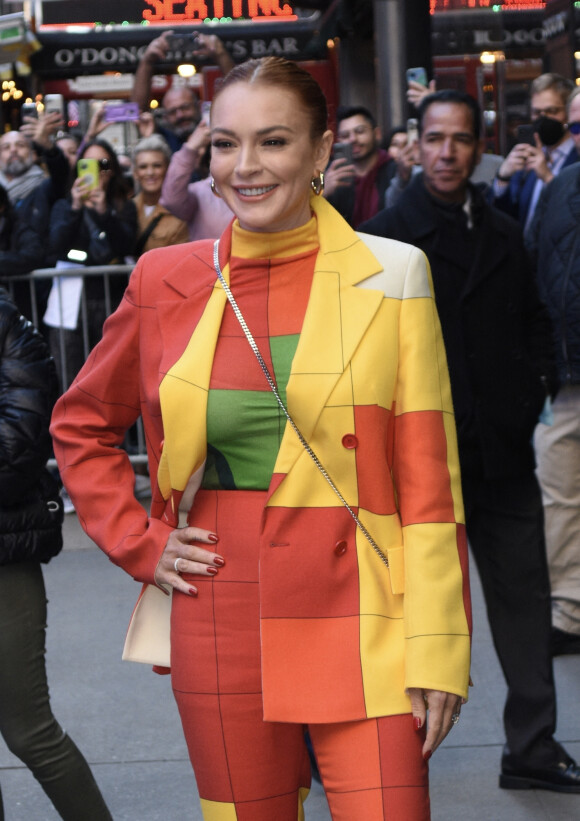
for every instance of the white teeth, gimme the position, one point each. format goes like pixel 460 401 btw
pixel 255 192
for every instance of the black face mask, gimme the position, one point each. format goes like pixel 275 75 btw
pixel 549 131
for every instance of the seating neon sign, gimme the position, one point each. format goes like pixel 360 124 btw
pixel 167 11
pixel 162 12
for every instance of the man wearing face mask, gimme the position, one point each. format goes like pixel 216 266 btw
pixel 527 168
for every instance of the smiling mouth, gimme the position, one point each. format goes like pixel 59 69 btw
pixel 255 192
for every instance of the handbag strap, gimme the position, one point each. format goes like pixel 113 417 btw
pixel 142 240
pixel 274 390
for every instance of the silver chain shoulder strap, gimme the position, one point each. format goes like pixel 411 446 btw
pixel 274 390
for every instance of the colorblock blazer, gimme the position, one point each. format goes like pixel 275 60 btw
pixel 343 636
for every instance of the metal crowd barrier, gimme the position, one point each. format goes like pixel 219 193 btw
pixel 135 444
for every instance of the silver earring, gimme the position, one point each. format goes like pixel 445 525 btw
pixel 214 190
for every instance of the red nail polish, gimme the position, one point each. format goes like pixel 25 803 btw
pixel 213 538
pixel 417 724
pixel 427 755
pixel 212 571
pixel 219 561
pixel 192 591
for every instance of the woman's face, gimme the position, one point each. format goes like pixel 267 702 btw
pixel 263 157
pixel 149 171
pixel 69 148
pixel 97 152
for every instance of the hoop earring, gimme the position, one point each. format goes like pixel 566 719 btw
pixel 317 183
pixel 214 190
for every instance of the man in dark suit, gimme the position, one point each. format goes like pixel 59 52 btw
pixel 498 340
pixel 528 168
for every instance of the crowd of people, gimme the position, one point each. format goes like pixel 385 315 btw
pixel 397 411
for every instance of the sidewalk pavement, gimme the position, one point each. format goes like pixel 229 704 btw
pixel 124 719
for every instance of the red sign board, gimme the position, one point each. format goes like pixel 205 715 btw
pixel 58 13
pixel 494 5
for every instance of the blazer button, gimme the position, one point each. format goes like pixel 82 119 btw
pixel 340 548
pixel 350 441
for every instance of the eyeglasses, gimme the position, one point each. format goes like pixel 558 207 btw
pixel 186 108
pixel 574 128
pixel 358 131
pixel 550 111
pixel 105 164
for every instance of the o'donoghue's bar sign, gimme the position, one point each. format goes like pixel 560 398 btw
pixel 57 13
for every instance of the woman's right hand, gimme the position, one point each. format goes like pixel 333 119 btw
pixel 184 554
pixel 79 192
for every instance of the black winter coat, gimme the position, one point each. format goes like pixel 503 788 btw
pixel 554 242
pixel 498 340
pixel 30 508
pixel 106 238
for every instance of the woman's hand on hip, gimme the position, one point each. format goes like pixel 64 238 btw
pixel 184 553
pixel 444 709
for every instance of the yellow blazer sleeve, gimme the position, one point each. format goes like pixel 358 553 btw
pixel 437 612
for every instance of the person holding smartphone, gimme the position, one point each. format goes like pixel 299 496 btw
pixel 528 168
pixel 98 220
pixel 357 188
pixel 189 197
pixel 180 104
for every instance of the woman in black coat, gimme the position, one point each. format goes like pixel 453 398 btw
pixel 30 533
pixel 93 227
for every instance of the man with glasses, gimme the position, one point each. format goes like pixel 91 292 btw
pixel 554 240
pixel 527 168
pixel 181 108
pixel 357 188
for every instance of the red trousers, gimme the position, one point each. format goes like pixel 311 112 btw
pixel 248 769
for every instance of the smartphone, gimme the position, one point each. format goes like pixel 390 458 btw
pixel 525 134
pixel 182 43
pixel 29 110
pixel 412 131
pixel 417 75
pixel 52 103
pixel 89 169
pixel 342 151
pixel 121 112
pixel 205 109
